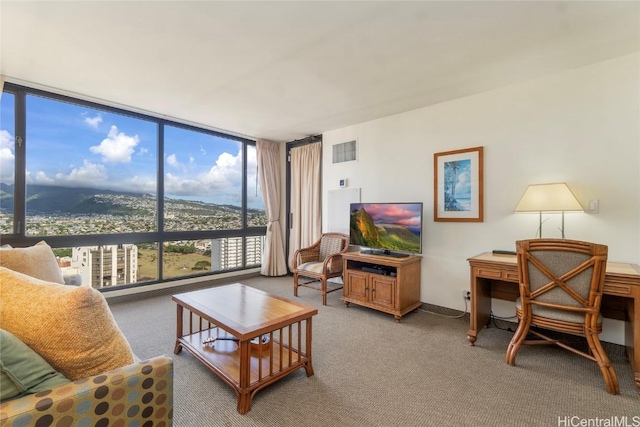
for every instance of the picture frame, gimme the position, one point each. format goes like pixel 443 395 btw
pixel 458 185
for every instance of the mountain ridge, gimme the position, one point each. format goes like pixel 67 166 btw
pixel 44 199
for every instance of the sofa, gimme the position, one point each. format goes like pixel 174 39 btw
pixel 137 394
pixel 63 359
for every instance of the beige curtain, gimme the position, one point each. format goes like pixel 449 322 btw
pixel 273 257
pixel 306 214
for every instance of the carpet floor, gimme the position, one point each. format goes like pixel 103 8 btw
pixel 372 371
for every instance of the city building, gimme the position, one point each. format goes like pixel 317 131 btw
pixel 227 253
pixel 106 265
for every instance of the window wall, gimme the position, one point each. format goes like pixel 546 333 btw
pixel 134 199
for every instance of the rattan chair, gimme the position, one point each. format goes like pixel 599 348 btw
pixel 561 285
pixel 320 262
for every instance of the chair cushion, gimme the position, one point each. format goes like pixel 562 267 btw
pixel 316 267
pixel 23 371
pixel 330 246
pixel 71 327
pixel 36 261
pixel 313 267
pixel 555 314
pixel 559 263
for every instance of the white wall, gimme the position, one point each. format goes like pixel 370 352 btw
pixel 580 127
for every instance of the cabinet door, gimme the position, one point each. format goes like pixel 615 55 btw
pixel 356 285
pixel 383 290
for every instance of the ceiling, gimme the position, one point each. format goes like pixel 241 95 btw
pixel 286 70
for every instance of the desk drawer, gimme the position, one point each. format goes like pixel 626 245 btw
pixel 511 276
pixel 488 272
pixel 616 289
pixel 492 273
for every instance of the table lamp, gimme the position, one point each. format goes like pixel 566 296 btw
pixel 556 197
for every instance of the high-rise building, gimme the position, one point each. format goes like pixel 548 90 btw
pixel 106 265
pixel 227 253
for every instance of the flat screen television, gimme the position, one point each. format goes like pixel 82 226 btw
pixel 391 229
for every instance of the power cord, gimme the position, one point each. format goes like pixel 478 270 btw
pixel 493 321
pixel 449 316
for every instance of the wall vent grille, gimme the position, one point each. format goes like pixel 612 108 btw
pixel 345 152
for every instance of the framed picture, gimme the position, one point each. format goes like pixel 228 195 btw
pixel 457 194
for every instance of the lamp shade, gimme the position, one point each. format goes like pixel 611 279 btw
pixel 554 197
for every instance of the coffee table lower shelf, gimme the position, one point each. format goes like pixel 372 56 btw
pixel 265 366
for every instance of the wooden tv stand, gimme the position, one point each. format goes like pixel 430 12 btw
pixel 387 284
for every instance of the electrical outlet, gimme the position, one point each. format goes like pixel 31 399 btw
pixel 466 294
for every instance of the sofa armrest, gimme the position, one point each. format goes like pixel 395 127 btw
pixel 140 394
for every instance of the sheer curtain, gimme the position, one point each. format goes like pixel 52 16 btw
pixel 273 257
pixel 306 214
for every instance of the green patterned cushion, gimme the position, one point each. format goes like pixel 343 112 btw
pixel 22 370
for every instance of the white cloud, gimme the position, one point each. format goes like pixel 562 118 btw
pixel 172 160
pixel 6 140
pixel 87 175
pixel 226 172
pixel 117 147
pixel 177 186
pixel 42 178
pixel 203 151
pixel 7 157
pixel 222 183
pixel 143 151
pixel 225 177
pixel 139 184
pixel 94 122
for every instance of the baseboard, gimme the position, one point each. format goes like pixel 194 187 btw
pixel 175 288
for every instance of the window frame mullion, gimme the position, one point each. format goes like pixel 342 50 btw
pixel 20 167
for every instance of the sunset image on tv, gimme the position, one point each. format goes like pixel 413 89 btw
pixel 390 226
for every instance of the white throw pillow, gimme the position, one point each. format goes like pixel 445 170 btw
pixel 36 261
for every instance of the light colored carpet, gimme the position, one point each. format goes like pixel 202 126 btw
pixel 372 371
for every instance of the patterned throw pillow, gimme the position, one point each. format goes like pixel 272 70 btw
pixel 36 261
pixel 71 327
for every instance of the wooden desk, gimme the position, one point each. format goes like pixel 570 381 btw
pixel 496 276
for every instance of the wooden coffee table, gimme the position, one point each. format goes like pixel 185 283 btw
pixel 247 337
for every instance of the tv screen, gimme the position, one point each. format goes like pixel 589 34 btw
pixel 386 226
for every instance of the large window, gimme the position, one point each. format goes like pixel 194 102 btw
pixel 203 180
pixel 88 171
pixel 133 198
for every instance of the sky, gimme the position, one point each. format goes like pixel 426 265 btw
pixel 76 146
